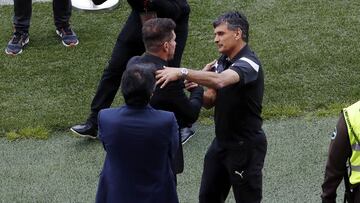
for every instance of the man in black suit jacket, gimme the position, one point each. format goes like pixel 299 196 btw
pixel 159 40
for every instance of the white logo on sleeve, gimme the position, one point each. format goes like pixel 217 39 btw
pixel 254 65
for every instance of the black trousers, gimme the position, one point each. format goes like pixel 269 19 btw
pixel 23 10
pixel 239 168
pixel 128 44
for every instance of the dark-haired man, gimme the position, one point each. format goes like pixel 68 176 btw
pixel 236 84
pixel 159 40
pixel 129 43
pixel 140 143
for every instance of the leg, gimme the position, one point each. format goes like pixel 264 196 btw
pixel 250 191
pixel 181 32
pixel 62 13
pixel 129 43
pixel 21 20
pixel 215 184
pixel 22 15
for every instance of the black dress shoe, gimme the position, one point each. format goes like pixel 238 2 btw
pixel 186 134
pixel 87 130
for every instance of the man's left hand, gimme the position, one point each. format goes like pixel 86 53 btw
pixel 190 85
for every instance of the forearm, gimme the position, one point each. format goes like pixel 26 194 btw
pixel 205 78
pixel 196 98
pixel 189 108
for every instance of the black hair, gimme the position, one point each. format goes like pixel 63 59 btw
pixel 137 84
pixel 157 31
pixel 234 20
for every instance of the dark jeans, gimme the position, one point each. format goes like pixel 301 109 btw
pixel 23 10
pixel 128 44
pixel 239 168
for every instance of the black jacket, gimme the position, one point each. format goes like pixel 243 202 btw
pixel 172 97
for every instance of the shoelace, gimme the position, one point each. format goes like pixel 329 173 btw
pixel 16 38
pixel 67 31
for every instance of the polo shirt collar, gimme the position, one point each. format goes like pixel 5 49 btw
pixel 238 55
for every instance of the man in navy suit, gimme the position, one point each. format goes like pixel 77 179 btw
pixel 140 143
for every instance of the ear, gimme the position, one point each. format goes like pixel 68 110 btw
pixel 238 34
pixel 166 46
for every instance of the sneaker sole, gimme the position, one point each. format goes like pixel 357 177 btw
pixel 14 54
pixel 70 45
pixel 81 135
pixel 187 139
pixel 67 45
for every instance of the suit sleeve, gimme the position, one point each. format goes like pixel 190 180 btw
pixel 100 130
pixel 339 152
pixel 175 100
pixel 174 130
pixel 189 108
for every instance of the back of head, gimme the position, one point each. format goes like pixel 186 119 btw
pixel 157 31
pixel 137 84
pixel 234 20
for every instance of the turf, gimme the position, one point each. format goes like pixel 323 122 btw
pixel 65 168
pixel 308 52
pixel 307 49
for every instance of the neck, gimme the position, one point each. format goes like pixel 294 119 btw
pixel 158 54
pixel 237 50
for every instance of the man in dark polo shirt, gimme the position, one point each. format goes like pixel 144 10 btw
pixel 159 40
pixel 235 87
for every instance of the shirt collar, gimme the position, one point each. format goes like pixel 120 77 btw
pixel 155 59
pixel 238 55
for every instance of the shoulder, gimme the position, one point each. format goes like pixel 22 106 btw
pixel 165 115
pixel 248 67
pixel 109 111
pixel 134 60
pixel 247 62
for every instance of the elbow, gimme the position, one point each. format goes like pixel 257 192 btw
pixel 218 84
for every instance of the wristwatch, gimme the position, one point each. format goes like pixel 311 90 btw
pixel 184 72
